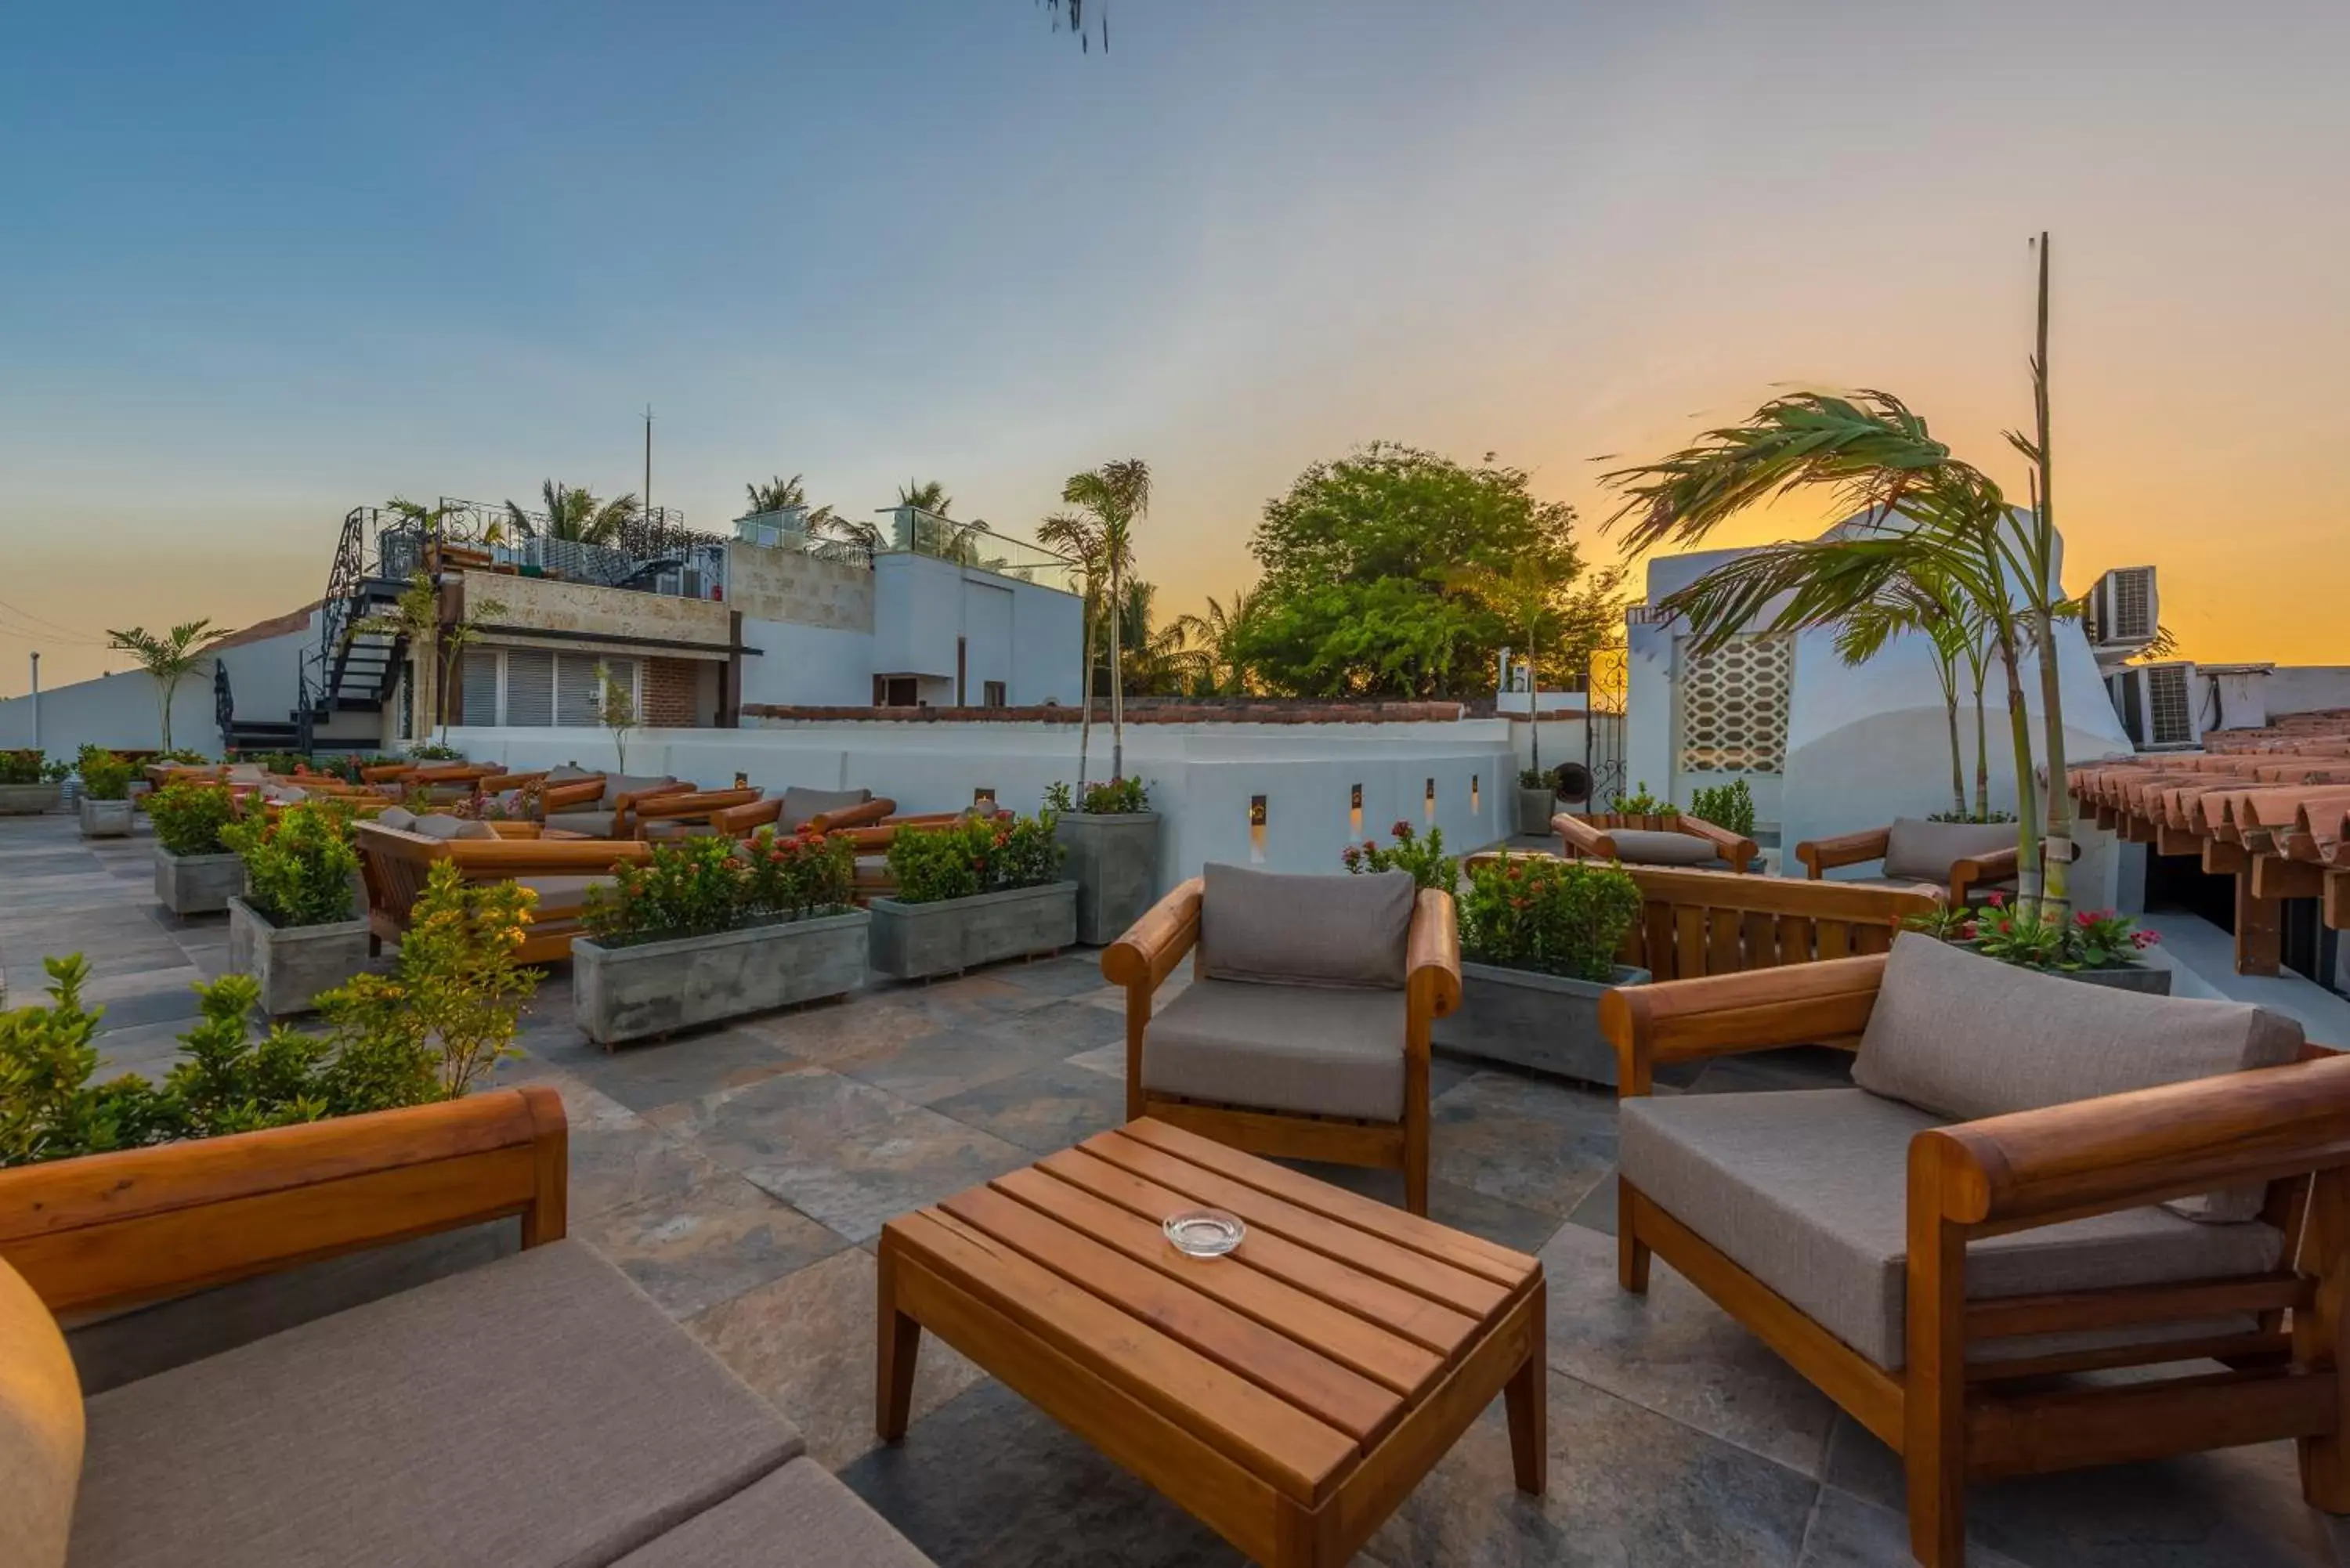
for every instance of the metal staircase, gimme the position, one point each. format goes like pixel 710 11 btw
pixel 348 671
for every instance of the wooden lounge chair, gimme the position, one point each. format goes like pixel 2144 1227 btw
pixel 1304 1034
pixel 395 860
pixel 797 810
pixel 1970 859
pixel 686 814
pixel 1675 839
pixel 604 804
pixel 2103 1181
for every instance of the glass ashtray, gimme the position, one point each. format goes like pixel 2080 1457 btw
pixel 1204 1232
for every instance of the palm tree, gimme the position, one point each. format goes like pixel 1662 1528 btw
pixel 1080 539
pixel 1117 496
pixel 1927 606
pixel 929 495
pixel 1922 511
pixel 576 515
pixel 1217 636
pixel 170 657
pixel 777 495
pixel 1159 663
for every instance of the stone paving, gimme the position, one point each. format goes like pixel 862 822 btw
pixel 741 1175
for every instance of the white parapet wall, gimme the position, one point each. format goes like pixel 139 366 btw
pixel 1206 778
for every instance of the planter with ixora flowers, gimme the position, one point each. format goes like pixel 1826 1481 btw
pixel 2096 947
pixel 709 930
pixel 979 891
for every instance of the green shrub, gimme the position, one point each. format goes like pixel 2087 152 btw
pixel 433 751
pixel 1423 857
pixel 1118 797
pixel 1730 806
pixel 298 869
pixel 1977 817
pixel 977 855
pixel 1640 802
pixel 1553 916
pixel 104 776
pixel 282 763
pixel 700 886
pixel 2091 939
pixel 28 766
pixel 183 756
pixel 189 816
pixel 1537 778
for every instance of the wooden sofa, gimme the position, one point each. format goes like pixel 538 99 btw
pixel 533 1411
pixel 395 862
pixel 1287 1060
pixel 1970 859
pixel 1943 1276
pixel 1668 839
pixel 601 806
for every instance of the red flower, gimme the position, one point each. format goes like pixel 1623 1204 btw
pixel 2084 918
pixel 1998 900
pixel 1967 932
pixel 1402 830
pixel 2145 939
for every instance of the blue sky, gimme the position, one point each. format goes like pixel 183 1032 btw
pixel 262 263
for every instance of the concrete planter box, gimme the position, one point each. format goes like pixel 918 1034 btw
pixel 2147 980
pixel 1535 809
pixel 28 800
pixel 646 988
pixel 292 963
pixel 105 818
pixel 1114 860
pixel 914 940
pixel 1543 1021
pixel 197 884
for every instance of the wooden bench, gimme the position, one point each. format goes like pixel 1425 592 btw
pixel 394 863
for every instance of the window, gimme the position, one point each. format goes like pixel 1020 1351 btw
pixel 1731 706
pixel 895 692
pixel 477 698
pixel 994 693
pixel 531 688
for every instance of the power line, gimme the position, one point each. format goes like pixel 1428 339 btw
pixel 58 627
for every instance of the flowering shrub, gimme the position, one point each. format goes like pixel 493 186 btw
pixel 1553 916
pixel 1423 857
pixel 1118 797
pixel 189 816
pixel 24 767
pixel 298 869
pixel 2092 939
pixel 977 855
pixel 697 886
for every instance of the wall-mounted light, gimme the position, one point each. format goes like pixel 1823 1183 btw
pixel 742 780
pixel 1431 807
pixel 983 798
pixel 1355 813
pixel 1256 829
pixel 1476 792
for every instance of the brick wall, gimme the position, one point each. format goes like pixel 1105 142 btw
pixel 671 685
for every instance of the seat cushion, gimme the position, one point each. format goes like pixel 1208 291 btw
pixel 40 1429
pixel 594 824
pixel 1922 851
pixel 1807 1191
pixel 618 784
pixel 1965 1036
pixel 802 806
pixel 440 825
pixel 540 1410
pixel 798 1517
pixel 1332 1051
pixel 557 893
pixel 660 832
pixel 569 773
pixel 1642 847
pixel 1287 929
pixel 397 816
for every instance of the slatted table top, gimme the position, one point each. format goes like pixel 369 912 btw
pixel 1293 1355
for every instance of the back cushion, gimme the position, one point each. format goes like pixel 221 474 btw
pixel 618 784
pixel 440 825
pixel 1283 930
pixel 566 773
pixel 1925 851
pixel 802 806
pixel 1965 1036
pixel 1647 847
pixel 397 816
pixel 40 1429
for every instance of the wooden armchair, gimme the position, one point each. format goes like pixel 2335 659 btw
pixel 667 816
pixel 594 808
pixel 1676 840
pixel 1973 1382
pixel 797 810
pixel 394 863
pixel 1141 961
pixel 1970 859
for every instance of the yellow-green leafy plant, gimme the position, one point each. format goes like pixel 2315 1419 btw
pixel 191 816
pixel 298 869
pixel 104 776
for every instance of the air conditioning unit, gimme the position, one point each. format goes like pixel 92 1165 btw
pixel 2157 704
pixel 2123 610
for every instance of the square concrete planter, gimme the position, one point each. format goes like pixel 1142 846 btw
pixel 911 941
pixel 105 818
pixel 640 990
pixel 292 963
pixel 1535 809
pixel 197 884
pixel 1543 1021
pixel 2147 980
pixel 1114 860
pixel 28 800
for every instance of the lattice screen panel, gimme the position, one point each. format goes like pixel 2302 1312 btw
pixel 1733 706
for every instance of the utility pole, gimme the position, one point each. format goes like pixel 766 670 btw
pixel 648 463
pixel 37 698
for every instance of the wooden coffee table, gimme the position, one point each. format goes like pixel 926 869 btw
pixel 1289 1395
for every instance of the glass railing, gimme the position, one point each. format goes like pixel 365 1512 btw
pixel 913 531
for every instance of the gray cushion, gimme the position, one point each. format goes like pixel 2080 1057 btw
pixel 567 774
pixel 661 832
pixel 595 824
pixel 563 892
pixel 1965 1036
pixel 798 1517
pixel 1333 1050
pixel 618 784
pixel 1808 1190
pixel 1642 847
pixel 397 816
pixel 801 805
pixel 1925 851
pixel 539 1410
pixel 1304 931
pixel 440 825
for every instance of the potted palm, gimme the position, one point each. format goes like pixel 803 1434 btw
pixel 707 929
pixel 30 784
pixel 294 928
pixel 1111 837
pixel 196 873
pixel 105 804
pixel 978 891
pixel 1538 942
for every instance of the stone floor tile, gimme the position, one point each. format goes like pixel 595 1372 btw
pixel 1043 1110
pixel 1674 1352
pixel 1598 1209
pixel 794 1115
pixel 1073 974
pixel 1532 1142
pixel 647 1075
pixel 1849 1532
pixel 1107 1059
pixel 981 997
pixel 947 1061
pixel 805 1343
pixel 858 1182
pixel 1627 1486
pixel 718 1238
pixel 861 1028
pixel 616 1162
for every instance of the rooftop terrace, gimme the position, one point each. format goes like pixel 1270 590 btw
pixel 741 1176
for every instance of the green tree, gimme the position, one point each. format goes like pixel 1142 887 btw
pixel 170 657
pixel 1360 561
pixel 1158 661
pixel 1536 598
pixel 1079 538
pixel 576 515
pixel 1216 639
pixel 929 495
pixel 777 495
pixel 413 617
pixel 1116 496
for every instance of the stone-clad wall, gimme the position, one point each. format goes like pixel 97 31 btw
pixel 769 584
pixel 543 604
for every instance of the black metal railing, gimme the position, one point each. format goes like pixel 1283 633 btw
pixel 223 705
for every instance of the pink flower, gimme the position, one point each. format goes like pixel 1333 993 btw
pixel 1401 830
pixel 1998 900
pixel 1967 933
pixel 2145 939
pixel 2083 919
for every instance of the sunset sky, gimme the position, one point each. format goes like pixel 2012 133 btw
pixel 261 265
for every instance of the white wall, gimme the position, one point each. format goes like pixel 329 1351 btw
pixel 922 606
pixel 917 616
pixel 2306 687
pixel 1203 776
pixel 1047 656
pixel 807 665
pixel 987 637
